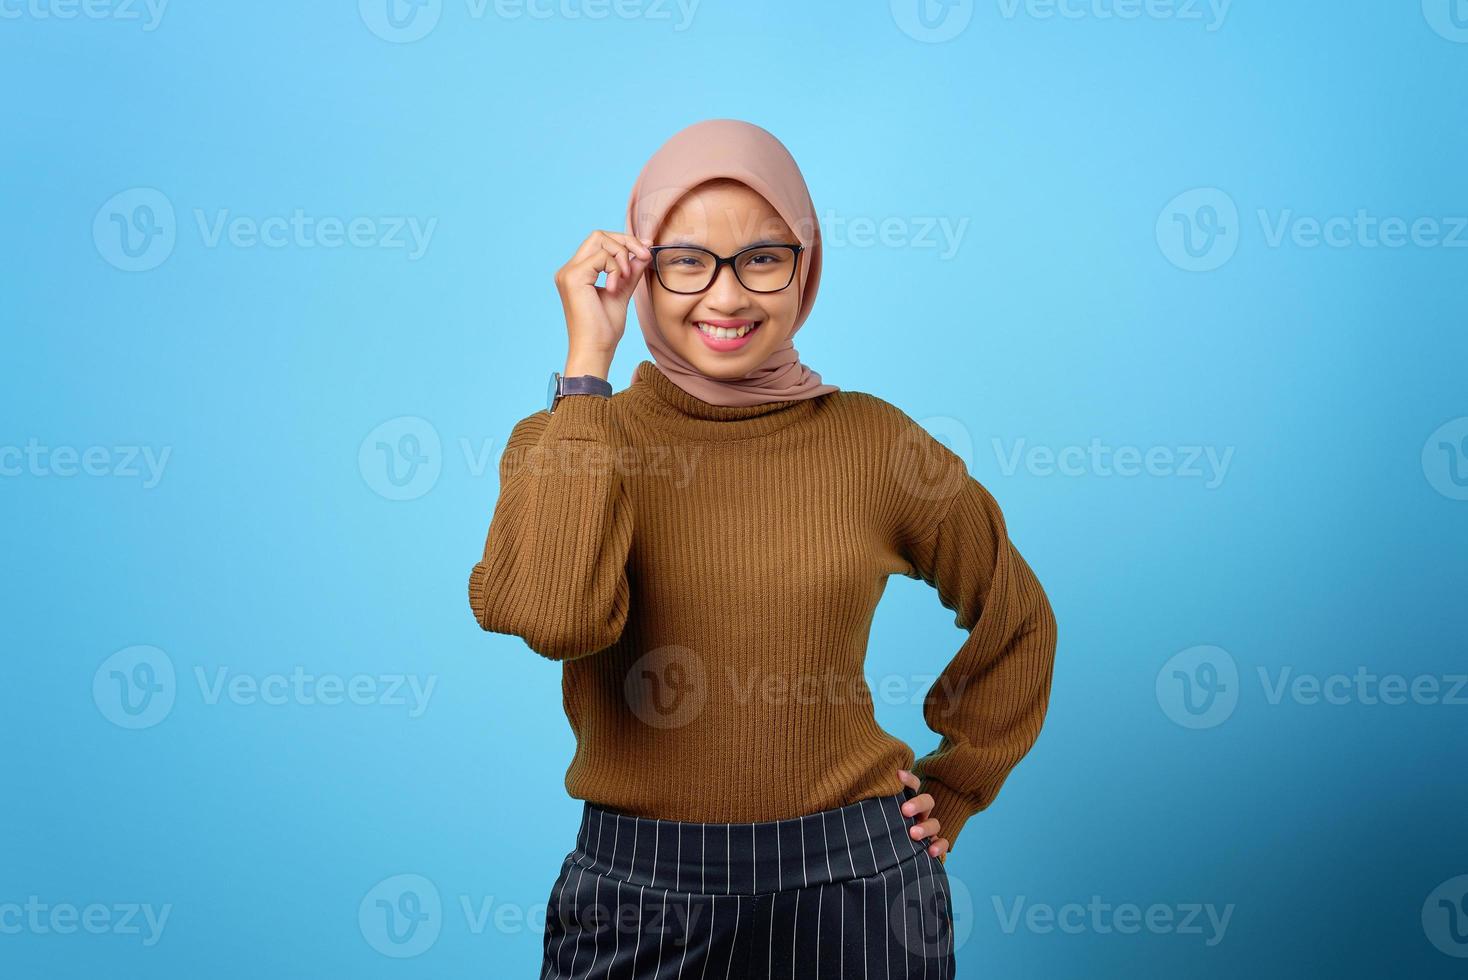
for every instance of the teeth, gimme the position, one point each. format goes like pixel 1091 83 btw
pixel 724 333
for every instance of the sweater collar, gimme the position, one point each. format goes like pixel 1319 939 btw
pixel 656 395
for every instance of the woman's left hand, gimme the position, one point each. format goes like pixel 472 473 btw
pixel 920 806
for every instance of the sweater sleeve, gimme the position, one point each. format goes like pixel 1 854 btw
pixel 988 704
pixel 554 570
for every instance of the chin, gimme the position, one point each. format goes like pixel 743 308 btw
pixel 727 366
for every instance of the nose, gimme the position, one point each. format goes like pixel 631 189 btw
pixel 726 292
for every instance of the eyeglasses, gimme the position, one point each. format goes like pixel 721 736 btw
pixel 759 268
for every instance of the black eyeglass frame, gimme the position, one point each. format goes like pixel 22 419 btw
pixel 720 261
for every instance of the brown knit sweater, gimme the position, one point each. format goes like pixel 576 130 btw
pixel 707 577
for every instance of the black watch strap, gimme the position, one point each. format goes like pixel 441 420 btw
pixel 580 384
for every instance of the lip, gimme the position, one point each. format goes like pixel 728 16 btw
pixel 729 344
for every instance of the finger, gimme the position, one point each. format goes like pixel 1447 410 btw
pixel 919 804
pixel 618 253
pixel 927 828
pixel 636 246
pixel 599 251
pixel 624 281
pixel 612 259
pixel 908 779
pixel 590 247
pixel 593 262
pixel 640 266
pixel 939 848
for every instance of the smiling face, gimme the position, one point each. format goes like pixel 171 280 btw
pixel 725 216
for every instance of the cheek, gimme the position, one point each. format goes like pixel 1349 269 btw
pixel 669 311
pixel 784 313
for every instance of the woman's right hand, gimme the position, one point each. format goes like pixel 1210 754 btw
pixel 596 316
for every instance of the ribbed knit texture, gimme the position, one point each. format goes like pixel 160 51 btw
pixel 707 576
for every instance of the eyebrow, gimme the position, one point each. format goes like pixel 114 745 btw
pixel 695 244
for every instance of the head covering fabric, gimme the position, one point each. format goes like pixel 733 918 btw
pixel 747 153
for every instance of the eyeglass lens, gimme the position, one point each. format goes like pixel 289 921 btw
pixel 691 270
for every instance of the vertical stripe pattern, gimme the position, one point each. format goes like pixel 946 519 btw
pixel 835 894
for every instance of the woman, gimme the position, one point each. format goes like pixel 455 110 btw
pixel 703 552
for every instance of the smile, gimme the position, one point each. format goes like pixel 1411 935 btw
pixel 726 335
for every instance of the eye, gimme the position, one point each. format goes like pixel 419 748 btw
pixel 682 259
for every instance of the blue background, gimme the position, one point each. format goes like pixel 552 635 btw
pixel 1066 314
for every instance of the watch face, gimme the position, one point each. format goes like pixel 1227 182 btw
pixel 550 396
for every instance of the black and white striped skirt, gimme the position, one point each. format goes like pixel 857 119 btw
pixel 840 893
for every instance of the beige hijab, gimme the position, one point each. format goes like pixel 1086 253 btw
pixel 754 157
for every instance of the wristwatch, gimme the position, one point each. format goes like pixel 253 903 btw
pixel 581 384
